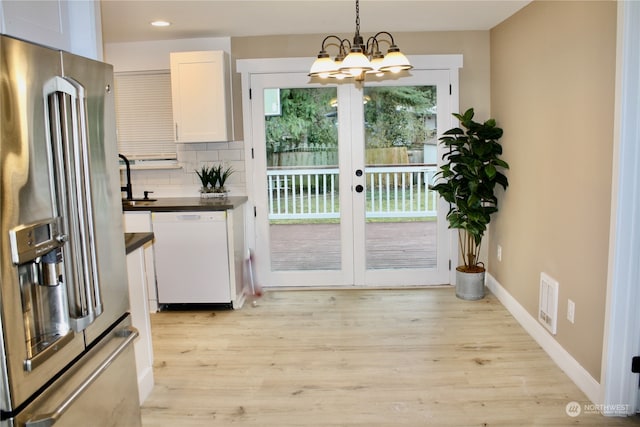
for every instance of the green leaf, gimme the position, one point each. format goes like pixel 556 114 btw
pixel 502 180
pixel 490 170
pixel 501 163
pixel 468 115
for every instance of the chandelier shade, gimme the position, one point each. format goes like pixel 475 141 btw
pixel 323 67
pixel 395 61
pixel 362 59
pixel 356 63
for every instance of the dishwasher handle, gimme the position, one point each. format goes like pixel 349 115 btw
pixel 178 217
pixel 189 217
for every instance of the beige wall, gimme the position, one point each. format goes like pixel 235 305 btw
pixel 474 89
pixel 552 90
pixel 473 45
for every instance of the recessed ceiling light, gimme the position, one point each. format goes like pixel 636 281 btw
pixel 160 23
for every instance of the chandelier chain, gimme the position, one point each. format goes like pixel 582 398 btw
pixel 357 16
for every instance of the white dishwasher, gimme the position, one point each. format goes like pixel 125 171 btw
pixel 192 260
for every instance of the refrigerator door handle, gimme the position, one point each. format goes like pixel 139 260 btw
pixel 45 420
pixel 86 214
pixel 63 192
pixel 70 157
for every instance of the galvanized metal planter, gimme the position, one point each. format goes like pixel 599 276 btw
pixel 470 286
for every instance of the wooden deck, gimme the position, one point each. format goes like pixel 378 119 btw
pixel 317 246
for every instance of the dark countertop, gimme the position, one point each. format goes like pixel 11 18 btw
pixel 173 204
pixel 133 241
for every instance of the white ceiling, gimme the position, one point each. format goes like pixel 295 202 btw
pixel 128 20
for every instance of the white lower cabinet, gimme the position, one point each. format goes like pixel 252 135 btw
pixel 140 222
pixel 192 258
pixel 138 303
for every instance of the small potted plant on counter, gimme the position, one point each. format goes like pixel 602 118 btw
pixel 467 181
pixel 213 180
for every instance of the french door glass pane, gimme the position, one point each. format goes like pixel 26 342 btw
pixel 302 178
pixel 400 156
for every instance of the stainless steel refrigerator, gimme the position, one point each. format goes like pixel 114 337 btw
pixel 67 353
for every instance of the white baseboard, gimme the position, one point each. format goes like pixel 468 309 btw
pixel 145 384
pixel 558 354
pixel 238 302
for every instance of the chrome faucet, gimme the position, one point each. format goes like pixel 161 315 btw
pixel 127 187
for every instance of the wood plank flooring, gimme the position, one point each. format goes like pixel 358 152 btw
pixel 372 358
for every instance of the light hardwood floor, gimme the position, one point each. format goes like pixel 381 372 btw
pixel 387 358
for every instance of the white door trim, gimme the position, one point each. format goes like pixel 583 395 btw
pixel 622 319
pixel 249 67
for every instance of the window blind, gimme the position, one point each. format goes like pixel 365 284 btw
pixel 144 115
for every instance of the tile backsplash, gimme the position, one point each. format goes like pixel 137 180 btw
pixel 182 181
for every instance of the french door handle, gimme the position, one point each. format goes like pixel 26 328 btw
pixel 359 188
pixel 358 172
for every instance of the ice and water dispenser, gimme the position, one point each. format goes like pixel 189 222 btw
pixel 37 252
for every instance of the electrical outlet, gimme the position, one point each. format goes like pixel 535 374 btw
pixel 571 311
pixel 499 253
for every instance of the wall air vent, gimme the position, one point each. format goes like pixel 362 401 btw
pixel 548 307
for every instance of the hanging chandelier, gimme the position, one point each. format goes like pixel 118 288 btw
pixel 357 59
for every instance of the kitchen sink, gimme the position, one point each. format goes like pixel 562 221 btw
pixel 138 202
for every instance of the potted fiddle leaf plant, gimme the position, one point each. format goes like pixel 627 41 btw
pixel 213 180
pixel 467 181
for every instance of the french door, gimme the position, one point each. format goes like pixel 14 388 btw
pixel 341 178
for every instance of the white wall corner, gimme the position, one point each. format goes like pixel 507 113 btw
pixel 558 354
pixel 622 320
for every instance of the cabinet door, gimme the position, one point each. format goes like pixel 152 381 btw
pixel 137 222
pixel 200 95
pixel 43 22
pixel 134 222
pixel 139 308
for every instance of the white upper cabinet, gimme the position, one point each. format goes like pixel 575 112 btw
pixel 201 96
pixel 43 22
pixel 72 26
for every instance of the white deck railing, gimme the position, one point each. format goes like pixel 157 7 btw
pixel 392 192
